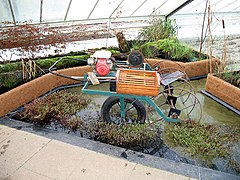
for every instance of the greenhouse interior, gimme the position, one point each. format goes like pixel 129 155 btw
pixel 120 89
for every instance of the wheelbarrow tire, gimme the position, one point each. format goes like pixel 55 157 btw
pixel 112 101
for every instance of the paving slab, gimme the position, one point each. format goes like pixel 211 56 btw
pixel 17 149
pixel 57 160
pixel 25 174
pixel 100 166
pixel 6 132
pixel 141 172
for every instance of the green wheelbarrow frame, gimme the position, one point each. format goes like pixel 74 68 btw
pixel 144 99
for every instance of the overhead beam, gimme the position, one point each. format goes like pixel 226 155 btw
pixel 227 5
pixel 93 9
pixel 69 5
pixel 116 8
pixel 178 8
pixel 41 12
pixel 12 13
pixel 139 7
pixel 158 7
pixel 238 7
pixel 196 5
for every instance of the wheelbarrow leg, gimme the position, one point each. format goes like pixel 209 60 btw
pixel 122 108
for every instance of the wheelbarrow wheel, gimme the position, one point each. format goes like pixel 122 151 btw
pixel 134 111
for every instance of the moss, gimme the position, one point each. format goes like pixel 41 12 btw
pixel 9 67
pixel 9 80
pixel 46 63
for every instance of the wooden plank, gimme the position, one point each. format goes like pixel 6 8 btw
pixel 93 78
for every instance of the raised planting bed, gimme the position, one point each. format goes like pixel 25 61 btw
pixel 29 91
pixel 37 87
pixel 223 90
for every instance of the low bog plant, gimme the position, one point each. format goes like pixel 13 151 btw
pixel 125 135
pixel 231 77
pixel 170 48
pixel 203 140
pixel 159 29
pixel 54 107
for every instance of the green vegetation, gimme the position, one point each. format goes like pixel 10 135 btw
pixel 54 107
pixel 231 77
pixel 159 40
pixel 9 67
pixel 168 48
pixel 124 135
pixel 159 29
pixel 11 73
pixel 60 108
pixel 45 63
pixel 9 80
pixel 201 140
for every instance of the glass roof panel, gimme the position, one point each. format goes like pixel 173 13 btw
pixel 24 11
pixel 148 8
pixel 198 6
pixel 127 8
pixel 40 11
pixel 80 10
pixel 104 9
pixel 5 13
pixel 170 5
pixel 54 10
pixel 227 6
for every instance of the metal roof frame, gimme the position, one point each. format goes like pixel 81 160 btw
pixel 161 4
pixel 178 8
pixel 11 10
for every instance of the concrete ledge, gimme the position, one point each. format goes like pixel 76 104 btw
pixel 132 156
pixel 223 90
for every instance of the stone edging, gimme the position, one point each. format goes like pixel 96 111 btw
pixel 223 90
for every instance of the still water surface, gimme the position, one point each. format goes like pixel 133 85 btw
pixel 213 112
